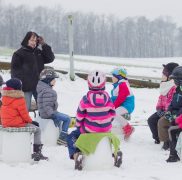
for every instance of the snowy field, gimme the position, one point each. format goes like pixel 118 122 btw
pixel 142 159
pixel 136 67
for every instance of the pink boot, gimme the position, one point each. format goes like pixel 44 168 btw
pixel 127 131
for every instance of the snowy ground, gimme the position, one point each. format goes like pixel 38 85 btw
pixel 143 160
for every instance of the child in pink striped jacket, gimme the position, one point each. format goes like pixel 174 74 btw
pixel 95 112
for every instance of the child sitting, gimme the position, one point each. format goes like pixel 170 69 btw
pixel 167 89
pixel 47 104
pixel 94 115
pixel 123 100
pixel 14 113
pixel 174 113
pixel 1 83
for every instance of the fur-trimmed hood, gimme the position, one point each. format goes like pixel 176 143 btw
pixel 13 93
pixel 8 96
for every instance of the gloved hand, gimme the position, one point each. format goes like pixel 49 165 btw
pixel 41 40
pixel 126 116
pixel 169 116
pixel 160 113
pixel 55 120
pixel 35 123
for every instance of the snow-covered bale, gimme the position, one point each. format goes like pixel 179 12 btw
pixel 50 133
pixel 102 157
pixel 16 146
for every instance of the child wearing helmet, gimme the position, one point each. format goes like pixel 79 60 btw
pixel 123 100
pixel 95 113
pixel 173 115
pixel 167 89
pixel 47 104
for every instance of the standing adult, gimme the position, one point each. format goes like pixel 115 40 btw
pixel 28 61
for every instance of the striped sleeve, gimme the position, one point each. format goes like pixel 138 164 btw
pixel 81 113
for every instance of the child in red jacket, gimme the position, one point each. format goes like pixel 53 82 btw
pixel 14 113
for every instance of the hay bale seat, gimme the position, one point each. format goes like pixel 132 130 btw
pixel 15 144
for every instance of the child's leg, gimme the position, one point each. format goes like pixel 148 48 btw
pixel 152 122
pixel 60 117
pixel 37 146
pixel 37 134
pixel 173 133
pixel 28 98
pixel 163 126
pixel 119 112
pixel 71 142
pixel 63 122
pixel 124 126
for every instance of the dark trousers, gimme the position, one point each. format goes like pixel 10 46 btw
pixel 72 137
pixel 174 132
pixel 152 122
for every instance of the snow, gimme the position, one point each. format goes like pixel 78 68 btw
pixel 151 68
pixel 142 159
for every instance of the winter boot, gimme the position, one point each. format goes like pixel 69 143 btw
pixel 173 158
pixel 157 141
pixel 127 131
pixel 78 157
pixel 62 138
pixel 118 159
pixel 165 145
pixel 37 155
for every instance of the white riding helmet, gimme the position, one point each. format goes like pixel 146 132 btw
pixel 96 80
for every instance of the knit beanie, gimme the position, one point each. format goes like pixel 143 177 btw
pixel 168 68
pixel 14 83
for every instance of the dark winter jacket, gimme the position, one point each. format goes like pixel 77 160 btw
pixel 27 63
pixel 46 100
pixel 176 104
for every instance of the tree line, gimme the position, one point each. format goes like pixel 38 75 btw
pixel 97 35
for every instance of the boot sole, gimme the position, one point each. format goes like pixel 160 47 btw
pixel 78 162
pixel 60 142
pixel 118 160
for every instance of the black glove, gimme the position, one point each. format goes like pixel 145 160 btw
pixel 35 123
pixel 41 40
pixel 160 113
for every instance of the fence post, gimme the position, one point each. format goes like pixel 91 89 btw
pixel 71 52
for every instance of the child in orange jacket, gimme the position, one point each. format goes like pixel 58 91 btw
pixel 1 83
pixel 14 113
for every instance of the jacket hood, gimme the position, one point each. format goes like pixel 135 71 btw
pixel 166 86
pixel 9 96
pixel 27 37
pixel 98 98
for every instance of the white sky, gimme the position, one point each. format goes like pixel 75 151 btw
pixel 121 8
